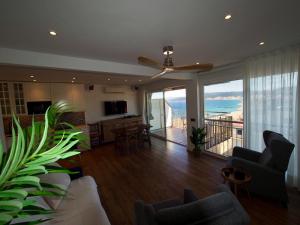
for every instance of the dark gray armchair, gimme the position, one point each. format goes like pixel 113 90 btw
pixel 219 209
pixel 267 168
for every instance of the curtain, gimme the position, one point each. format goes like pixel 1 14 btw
pixel 273 102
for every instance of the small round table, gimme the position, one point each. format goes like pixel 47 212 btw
pixel 237 177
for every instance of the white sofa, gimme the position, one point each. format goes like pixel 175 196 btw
pixel 81 206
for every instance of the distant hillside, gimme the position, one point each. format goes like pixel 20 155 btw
pixel 215 95
pixel 224 94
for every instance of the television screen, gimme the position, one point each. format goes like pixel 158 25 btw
pixel 115 107
pixel 38 107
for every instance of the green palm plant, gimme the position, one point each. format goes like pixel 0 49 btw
pixel 32 150
pixel 198 138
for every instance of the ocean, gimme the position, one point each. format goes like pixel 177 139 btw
pixel 211 106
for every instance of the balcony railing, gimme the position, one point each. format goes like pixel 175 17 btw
pixel 223 134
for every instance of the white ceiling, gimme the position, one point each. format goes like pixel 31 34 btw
pixel 122 30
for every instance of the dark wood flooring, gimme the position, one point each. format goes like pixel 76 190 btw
pixel 162 172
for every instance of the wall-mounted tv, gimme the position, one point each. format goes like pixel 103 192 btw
pixel 115 107
pixel 38 107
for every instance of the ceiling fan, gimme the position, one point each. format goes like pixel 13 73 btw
pixel 168 65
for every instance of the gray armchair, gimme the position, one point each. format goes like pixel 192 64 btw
pixel 267 168
pixel 219 209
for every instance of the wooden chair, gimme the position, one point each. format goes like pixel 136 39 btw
pixel 144 134
pixel 132 136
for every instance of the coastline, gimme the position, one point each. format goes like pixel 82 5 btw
pixel 237 115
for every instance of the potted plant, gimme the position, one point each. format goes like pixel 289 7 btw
pixel 32 150
pixel 198 139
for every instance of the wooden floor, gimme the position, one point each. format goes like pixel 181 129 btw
pixel 174 134
pixel 162 172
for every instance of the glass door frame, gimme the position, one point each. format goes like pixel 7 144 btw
pixel 147 97
pixel 148 100
pixel 222 78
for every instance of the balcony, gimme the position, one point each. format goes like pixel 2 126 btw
pixel 223 134
pixel 172 127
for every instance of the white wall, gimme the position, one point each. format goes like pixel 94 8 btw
pixel 89 101
pixel 94 102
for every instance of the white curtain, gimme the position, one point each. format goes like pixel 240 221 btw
pixel 272 102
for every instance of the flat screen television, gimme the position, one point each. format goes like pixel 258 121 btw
pixel 38 107
pixel 115 107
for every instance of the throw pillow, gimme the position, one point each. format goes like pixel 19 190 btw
pixel 60 179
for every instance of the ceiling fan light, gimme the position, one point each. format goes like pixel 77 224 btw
pixel 168 50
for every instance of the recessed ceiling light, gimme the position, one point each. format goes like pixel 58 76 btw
pixel 74 78
pixel 227 17
pixel 140 80
pixel 31 76
pixel 261 43
pixel 108 78
pixel 34 80
pixel 197 63
pixel 73 81
pixel 52 32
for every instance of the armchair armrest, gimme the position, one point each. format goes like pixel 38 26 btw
pixel 258 171
pixel 189 196
pixel 246 154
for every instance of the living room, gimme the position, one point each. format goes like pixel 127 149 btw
pixel 139 112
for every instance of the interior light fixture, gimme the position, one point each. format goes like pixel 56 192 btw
pixel 125 80
pixel 108 78
pixel 34 80
pixel 31 76
pixel 261 43
pixel 73 81
pixel 197 63
pixel 140 80
pixel 52 32
pixel 168 50
pixel 227 17
pixel 74 78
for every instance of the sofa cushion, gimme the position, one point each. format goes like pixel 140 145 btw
pixel 167 204
pixel 60 179
pixel 189 196
pixel 40 202
pixel 196 211
pixel 81 205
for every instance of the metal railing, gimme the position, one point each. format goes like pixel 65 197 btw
pixel 223 134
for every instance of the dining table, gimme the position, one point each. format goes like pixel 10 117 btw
pixel 129 138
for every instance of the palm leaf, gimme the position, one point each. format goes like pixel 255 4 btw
pixel 25 180
pixel 11 205
pixel 13 193
pixel 31 150
pixel 32 170
pixel 5 218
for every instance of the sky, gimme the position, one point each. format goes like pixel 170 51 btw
pixel 231 86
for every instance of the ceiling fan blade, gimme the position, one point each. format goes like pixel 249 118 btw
pixel 149 62
pixel 197 67
pixel 160 74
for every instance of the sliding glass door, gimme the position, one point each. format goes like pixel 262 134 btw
pixel 156 113
pixel 167 115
